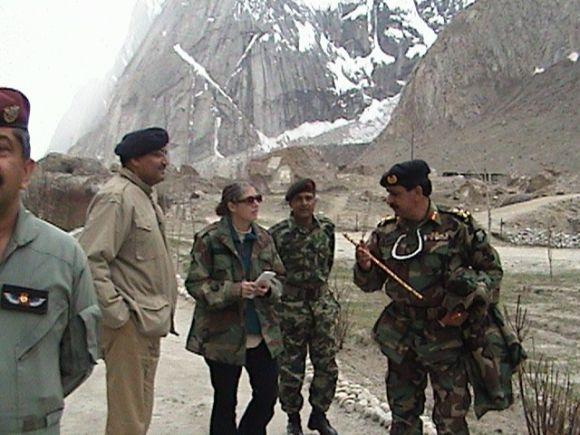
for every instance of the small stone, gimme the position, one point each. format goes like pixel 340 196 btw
pixel 349 406
pixel 361 405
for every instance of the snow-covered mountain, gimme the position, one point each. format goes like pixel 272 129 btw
pixel 498 91
pixel 245 76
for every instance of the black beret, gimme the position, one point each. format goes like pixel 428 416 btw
pixel 407 174
pixel 14 109
pixel 304 185
pixel 141 142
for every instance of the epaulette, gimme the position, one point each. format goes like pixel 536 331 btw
pixel 325 220
pixel 463 215
pixel 206 230
pixel 386 220
pixel 277 227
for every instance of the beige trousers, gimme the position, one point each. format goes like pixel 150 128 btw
pixel 131 361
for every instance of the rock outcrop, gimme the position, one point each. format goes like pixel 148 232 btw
pixel 62 188
pixel 231 76
pixel 497 91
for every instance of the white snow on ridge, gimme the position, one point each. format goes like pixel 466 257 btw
pixel 200 70
pixel 573 56
pixel 411 17
pixel 371 122
pixel 358 12
pixel 306 36
pixel 394 33
pixel 538 70
pixel 310 129
pixel 324 5
pixel 416 50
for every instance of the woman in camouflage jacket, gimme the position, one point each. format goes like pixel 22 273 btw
pixel 234 322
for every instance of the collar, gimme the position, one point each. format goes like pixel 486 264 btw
pixel 294 225
pixel 131 176
pixel 250 236
pixel 25 231
pixel 225 233
pixel 432 215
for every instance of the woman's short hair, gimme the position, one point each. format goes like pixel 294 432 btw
pixel 231 193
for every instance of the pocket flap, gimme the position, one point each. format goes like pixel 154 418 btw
pixel 41 329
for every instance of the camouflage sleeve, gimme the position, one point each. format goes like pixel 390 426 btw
pixel 216 294
pixel 332 245
pixel 478 277
pixel 372 280
pixel 277 283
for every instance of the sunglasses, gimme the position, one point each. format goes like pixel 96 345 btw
pixel 250 199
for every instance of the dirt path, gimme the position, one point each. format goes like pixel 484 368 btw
pixel 514 258
pixel 183 396
pixel 511 212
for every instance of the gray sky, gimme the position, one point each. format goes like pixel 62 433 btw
pixel 51 48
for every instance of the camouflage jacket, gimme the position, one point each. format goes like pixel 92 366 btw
pixel 453 248
pixel 307 254
pixel 214 280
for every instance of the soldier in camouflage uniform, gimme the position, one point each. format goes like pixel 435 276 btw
pixel 308 309
pixel 235 324
pixel 432 249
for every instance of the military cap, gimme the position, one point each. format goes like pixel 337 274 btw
pixel 303 185
pixel 141 142
pixel 14 109
pixel 407 174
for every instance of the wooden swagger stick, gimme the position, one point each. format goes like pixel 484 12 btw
pixel 386 269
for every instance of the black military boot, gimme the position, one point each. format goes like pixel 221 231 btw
pixel 294 426
pixel 319 422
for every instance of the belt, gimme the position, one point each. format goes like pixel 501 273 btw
pixel 305 291
pixel 419 313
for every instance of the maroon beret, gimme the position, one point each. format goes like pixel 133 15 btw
pixel 14 109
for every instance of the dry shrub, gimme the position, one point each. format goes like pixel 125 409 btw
pixel 341 291
pixel 551 405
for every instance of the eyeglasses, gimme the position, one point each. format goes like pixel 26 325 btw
pixel 250 199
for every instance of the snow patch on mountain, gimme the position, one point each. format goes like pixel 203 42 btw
pixel 411 18
pixel 306 36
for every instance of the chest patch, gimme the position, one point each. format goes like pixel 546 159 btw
pixel 24 299
pixel 437 237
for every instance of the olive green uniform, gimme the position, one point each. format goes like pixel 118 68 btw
pixel 308 312
pixel 49 320
pixel 408 331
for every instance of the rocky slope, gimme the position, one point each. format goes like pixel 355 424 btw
pixel 498 91
pixel 233 76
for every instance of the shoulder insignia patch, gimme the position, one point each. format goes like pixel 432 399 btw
pixel 464 215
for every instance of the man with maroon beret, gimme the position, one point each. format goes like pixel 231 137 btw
pixel 49 315
pixel 124 238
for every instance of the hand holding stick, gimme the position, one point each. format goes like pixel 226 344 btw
pixel 385 268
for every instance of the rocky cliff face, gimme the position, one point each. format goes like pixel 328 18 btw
pixel 232 76
pixel 498 90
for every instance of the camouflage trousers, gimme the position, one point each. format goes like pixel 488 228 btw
pixel 406 383
pixel 308 326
